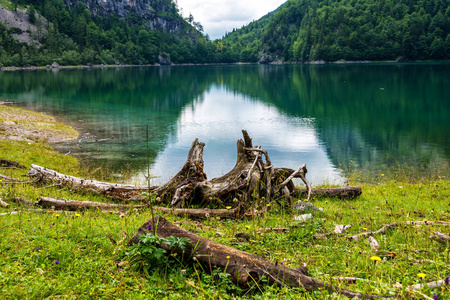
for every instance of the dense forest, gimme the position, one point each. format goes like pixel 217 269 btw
pixel 299 31
pixel 73 36
pixel 331 30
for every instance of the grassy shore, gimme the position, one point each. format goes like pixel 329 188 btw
pixel 84 255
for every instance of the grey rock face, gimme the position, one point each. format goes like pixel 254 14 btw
pixel 160 15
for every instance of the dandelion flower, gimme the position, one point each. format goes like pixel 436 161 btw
pixel 246 226
pixel 375 258
pixel 422 275
pixel 268 204
pixel 228 207
pixel 364 228
pixel 382 175
pixel 77 215
pixel 57 215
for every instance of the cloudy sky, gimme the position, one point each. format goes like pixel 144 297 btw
pixel 220 16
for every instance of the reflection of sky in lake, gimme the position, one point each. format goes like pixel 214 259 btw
pixel 217 118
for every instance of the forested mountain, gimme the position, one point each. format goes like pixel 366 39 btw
pixel 331 30
pixel 72 32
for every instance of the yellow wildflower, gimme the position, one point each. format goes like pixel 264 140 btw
pixel 421 275
pixel 228 207
pixel 375 258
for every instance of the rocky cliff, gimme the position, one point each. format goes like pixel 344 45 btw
pixel 157 14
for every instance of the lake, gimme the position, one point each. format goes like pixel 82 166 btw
pixel 334 118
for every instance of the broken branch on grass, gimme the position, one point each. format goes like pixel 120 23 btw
pixel 373 244
pixel 3 204
pixel 188 212
pixel 387 227
pixel 440 237
pixel 81 205
pixel 243 267
pixel 347 192
pixel 104 188
pixel 9 178
pixel 11 164
pixel 431 285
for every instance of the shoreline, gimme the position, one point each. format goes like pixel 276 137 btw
pixel 275 63
pixel 21 124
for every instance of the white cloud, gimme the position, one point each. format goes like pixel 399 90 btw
pixel 220 16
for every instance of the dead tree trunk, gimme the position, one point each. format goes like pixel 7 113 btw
pixel 243 267
pixel 347 192
pixel 181 187
pixel 253 177
pixel 82 205
pixel 113 190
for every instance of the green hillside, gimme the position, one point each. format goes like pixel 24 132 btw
pixel 331 30
pixel 71 32
pixel 74 32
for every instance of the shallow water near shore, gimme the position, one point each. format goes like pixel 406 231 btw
pixel 334 118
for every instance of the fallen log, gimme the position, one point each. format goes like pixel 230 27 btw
pixel 440 237
pixel 386 227
pixel 82 205
pixel 113 190
pixel 22 201
pixel 201 213
pixel 8 178
pixel 4 163
pixel 243 267
pixel 347 192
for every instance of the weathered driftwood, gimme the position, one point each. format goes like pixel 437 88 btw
pixel 243 267
pixel 440 237
pixel 181 187
pixel 3 204
pixel 201 213
pixel 4 163
pixel 430 285
pixel 386 227
pixel 347 192
pixel 8 178
pixel 22 201
pixel 253 177
pixel 110 189
pixel 82 205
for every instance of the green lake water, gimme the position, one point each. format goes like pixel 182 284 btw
pixel 332 117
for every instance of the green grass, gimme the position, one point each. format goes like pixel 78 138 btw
pixel 91 246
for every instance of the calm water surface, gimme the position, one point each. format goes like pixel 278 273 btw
pixel 331 117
